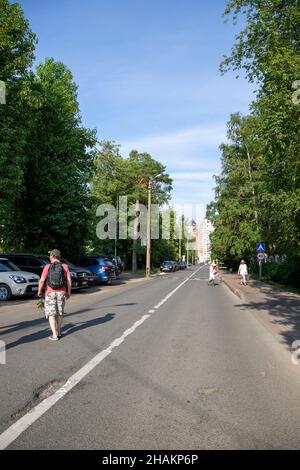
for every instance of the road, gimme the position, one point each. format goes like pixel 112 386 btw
pixel 169 363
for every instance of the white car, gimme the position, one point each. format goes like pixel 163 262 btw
pixel 14 282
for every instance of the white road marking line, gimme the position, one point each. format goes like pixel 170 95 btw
pixel 16 429
pixel 151 311
pixel 178 287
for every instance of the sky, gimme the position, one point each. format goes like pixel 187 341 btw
pixel 148 78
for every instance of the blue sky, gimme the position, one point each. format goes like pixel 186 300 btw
pixel 148 78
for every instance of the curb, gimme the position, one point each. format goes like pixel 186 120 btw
pixel 234 290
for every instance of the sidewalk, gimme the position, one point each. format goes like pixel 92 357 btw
pixel 278 310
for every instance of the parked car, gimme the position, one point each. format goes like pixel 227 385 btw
pixel 14 282
pixel 116 260
pixel 168 267
pixel 100 265
pixel 35 263
pixel 178 266
pixel 183 264
pixel 81 277
pixel 28 262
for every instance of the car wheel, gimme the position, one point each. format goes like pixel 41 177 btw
pixel 5 292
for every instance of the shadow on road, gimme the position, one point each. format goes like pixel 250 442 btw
pixel 284 309
pixel 39 321
pixel 70 327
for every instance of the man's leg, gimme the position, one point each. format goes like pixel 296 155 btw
pixel 51 312
pixel 61 300
pixel 53 325
pixel 59 320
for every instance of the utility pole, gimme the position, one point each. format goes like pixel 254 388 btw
pixel 117 221
pixel 187 252
pixel 148 252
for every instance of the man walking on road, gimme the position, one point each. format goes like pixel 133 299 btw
pixel 58 289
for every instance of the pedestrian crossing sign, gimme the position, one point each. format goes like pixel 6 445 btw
pixel 260 247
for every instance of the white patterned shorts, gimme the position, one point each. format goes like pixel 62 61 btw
pixel 55 304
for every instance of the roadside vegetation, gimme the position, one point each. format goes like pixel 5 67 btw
pixel 257 194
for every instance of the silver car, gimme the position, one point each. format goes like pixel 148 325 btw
pixel 14 282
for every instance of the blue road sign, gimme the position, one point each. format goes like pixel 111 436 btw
pixel 260 247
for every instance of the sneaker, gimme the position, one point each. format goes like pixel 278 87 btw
pixel 53 338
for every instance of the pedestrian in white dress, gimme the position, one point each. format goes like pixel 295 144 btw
pixel 243 272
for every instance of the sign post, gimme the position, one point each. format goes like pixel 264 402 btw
pixel 260 258
pixel 260 248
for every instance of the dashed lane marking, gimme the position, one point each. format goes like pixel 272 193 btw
pixel 16 429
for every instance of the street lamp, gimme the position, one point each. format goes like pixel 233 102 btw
pixel 148 249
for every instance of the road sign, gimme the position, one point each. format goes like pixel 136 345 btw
pixel 260 247
pixel 261 256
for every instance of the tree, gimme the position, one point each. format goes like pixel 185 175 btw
pixel 116 176
pixel 17 44
pixel 235 213
pixel 268 50
pixel 59 164
pixel 142 167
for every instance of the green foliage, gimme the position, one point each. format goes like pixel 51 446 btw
pixel 235 213
pixel 17 43
pixel 115 176
pixel 263 205
pixel 282 273
pixel 59 164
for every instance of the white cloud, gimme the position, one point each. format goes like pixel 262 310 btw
pixel 192 176
pixel 191 157
pixel 183 140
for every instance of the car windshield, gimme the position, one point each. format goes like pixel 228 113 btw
pixel 44 259
pixel 167 263
pixel 6 265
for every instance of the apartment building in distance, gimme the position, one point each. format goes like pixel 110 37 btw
pixel 204 229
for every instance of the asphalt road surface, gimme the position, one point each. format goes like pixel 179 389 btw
pixel 169 363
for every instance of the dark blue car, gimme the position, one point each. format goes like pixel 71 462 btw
pixel 99 265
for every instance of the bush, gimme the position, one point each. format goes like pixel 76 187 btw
pixel 287 273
